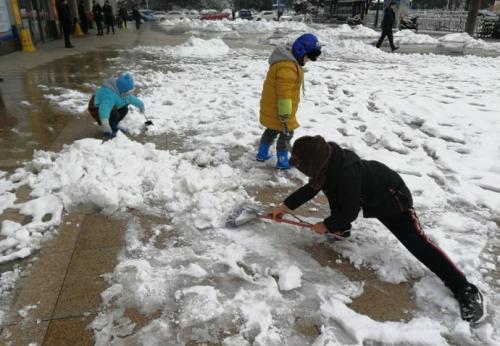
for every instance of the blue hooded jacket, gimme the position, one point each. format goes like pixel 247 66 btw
pixel 108 96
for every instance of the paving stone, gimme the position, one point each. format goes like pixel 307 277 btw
pixel 81 292
pixel 99 231
pixel 24 334
pixel 70 331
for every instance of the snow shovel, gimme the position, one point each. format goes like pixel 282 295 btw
pixel 246 213
pixel 288 138
pixel 147 122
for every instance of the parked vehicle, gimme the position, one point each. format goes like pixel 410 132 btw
pixel 488 13
pixel 213 15
pixel 409 22
pixel 160 15
pixel 147 15
pixel 191 14
pixel 266 15
pixel 245 14
pixel 174 15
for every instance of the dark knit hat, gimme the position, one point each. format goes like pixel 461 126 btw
pixel 311 156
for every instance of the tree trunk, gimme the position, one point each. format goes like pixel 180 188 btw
pixel 472 16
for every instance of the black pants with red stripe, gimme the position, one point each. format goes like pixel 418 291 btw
pixel 406 227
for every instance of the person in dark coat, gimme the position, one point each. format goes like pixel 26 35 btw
pixel 109 19
pixel 387 24
pixel 66 21
pixel 82 13
pixel 123 15
pixel 97 11
pixel 352 184
pixel 137 18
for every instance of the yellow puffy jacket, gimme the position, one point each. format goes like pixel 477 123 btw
pixel 281 92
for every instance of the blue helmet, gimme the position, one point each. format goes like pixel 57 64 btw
pixel 125 83
pixel 306 44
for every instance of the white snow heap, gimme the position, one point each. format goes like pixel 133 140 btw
pixel 290 278
pixel 199 48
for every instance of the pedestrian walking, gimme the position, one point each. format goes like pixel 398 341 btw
pixel 123 15
pixel 109 18
pixel 109 105
pixel 66 21
pixel 82 14
pixel 97 11
pixel 137 18
pixel 387 24
pixel 351 184
pixel 281 96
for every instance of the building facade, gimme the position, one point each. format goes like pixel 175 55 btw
pixel 38 16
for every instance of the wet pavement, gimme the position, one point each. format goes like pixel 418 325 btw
pixel 63 281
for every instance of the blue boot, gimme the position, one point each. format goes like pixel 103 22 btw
pixel 282 160
pixel 263 154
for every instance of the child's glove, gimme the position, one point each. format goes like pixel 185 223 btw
pixel 278 212
pixel 106 128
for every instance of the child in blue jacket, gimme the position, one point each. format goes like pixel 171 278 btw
pixel 110 103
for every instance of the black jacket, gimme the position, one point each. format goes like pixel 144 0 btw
pixel 108 14
pixel 389 19
pixel 351 184
pixel 65 17
pixel 97 10
pixel 136 15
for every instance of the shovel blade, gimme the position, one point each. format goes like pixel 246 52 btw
pixel 242 214
pixel 148 123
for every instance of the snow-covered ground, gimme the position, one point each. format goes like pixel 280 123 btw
pixel 328 35
pixel 434 119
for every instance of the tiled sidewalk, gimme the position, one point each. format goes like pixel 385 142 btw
pixel 65 283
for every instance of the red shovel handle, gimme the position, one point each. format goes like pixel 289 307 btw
pixel 290 222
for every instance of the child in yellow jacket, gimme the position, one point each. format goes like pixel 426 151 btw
pixel 281 95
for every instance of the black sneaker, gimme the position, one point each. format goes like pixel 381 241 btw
pixel 395 48
pixel 471 304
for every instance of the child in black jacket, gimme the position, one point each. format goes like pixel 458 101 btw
pixel 351 184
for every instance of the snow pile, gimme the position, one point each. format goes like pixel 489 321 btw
pixel 7 198
pixel 19 241
pixel 150 179
pixel 469 42
pixel 409 37
pixel 330 37
pixel 199 48
pixel 347 48
pixel 459 37
pixel 345 31
pixel 225 26
pixel 290 278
